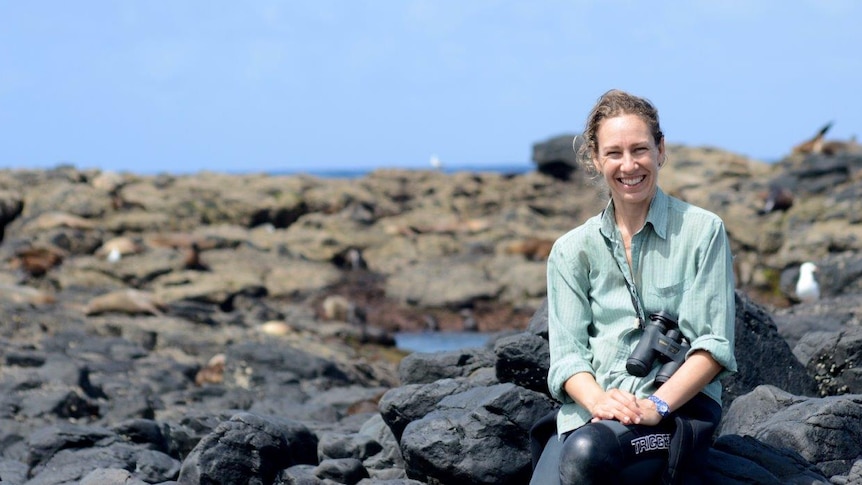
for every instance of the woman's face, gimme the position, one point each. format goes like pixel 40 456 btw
pixel 628 158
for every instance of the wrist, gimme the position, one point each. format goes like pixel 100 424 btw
pixel 661 406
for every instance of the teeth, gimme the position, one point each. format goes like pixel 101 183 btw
pixel 631 180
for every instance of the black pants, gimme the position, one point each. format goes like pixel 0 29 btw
pixel 609 452
pixel 605 452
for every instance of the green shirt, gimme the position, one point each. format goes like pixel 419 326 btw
pixel 681 263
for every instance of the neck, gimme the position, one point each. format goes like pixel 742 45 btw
pixel 630 218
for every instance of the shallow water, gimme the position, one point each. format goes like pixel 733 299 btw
pixel 439 341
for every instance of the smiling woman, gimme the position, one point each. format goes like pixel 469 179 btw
pixel 629 159
pixel 646 254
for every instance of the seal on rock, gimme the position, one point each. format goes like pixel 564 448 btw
pixel 777 199
pixel 129 301
pixel 819 145
pixel 25 294
pixel 181 240
pixel 275 327
pixel 37 260
pixel 213 372
pixel 814 144
pixel 120 245
pixel 336 307
pixel 534 249
pixel 339 308
pixel 54 219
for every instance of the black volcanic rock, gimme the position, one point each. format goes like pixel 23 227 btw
pixel 240 372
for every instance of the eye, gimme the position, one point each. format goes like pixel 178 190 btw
pixel 613 154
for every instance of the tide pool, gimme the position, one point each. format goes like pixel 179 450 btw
pixel 439 341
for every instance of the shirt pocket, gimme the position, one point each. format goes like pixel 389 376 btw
pixel 669 289
pixel 666 295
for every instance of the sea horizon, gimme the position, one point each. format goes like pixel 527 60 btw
pixel 509 168
pixel 356 172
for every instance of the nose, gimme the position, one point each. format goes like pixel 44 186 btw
pixel 629 161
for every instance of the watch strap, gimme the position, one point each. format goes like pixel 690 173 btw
pixel 660 406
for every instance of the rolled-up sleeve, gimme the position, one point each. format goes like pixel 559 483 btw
pixel 569 316
pixel 708 309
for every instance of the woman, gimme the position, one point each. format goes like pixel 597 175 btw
pixel 646 252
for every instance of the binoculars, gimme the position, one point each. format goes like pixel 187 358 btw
pixel 661 340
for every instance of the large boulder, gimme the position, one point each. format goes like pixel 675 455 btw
pixel 743 460
pixel 834 359
pixel 479 436
pixel 826 432
pixel 249 448
pixel 763 356
pixel 556 156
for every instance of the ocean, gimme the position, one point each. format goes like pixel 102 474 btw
pixel 351 173
pixel 439 341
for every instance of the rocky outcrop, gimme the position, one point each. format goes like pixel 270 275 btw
pixel 556 156
pixel 767 435
pixel 172 329
pixel 306 414
pixel 806 425
pixel 426 242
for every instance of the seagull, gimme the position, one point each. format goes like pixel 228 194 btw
pixel 807 289
pixel 114 255
pixel 436 163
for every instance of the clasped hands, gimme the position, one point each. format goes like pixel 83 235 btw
pixel 626 408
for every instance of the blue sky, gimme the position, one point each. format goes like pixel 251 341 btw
pixel 268 86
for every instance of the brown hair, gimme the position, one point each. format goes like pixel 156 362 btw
pixel 609 105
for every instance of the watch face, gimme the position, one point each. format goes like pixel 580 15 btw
pixel 660 406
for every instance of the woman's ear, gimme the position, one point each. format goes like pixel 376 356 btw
pixel 662 154
pixel 596 163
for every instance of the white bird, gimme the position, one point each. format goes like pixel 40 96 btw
pixel 807 288
pixel 114 255
pixel 436 163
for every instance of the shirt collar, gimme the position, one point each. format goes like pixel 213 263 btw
pixel 657 216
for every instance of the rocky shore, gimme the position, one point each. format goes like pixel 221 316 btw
pixel 216 328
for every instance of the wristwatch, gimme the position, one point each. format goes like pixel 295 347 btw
pixel 660 406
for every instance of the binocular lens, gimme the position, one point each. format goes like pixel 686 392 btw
pixel 637 367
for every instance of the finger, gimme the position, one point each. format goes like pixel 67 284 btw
pixel 622 396
pixel 627 400
pixel 628 416
pixel 626 410
pixel 606 410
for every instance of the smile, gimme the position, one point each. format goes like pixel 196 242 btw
pixel 631 180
